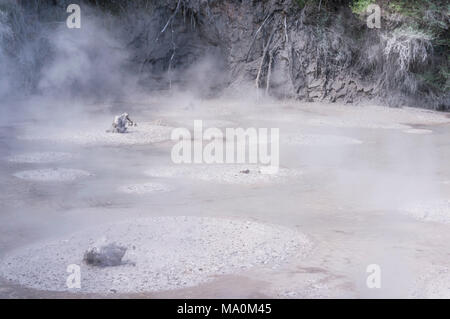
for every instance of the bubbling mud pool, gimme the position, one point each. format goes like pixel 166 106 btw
pixel 52 174
pixel 145 188
pixel 320 140
pixel 359 123
pixel 162 253
pixel 40 157
pixel 225 174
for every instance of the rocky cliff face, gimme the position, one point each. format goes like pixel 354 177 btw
pixel 310 53
pixel 308 50
pixel 272 45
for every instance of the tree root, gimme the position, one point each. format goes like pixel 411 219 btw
pixel 263 58
pixel 174 47
pixel 269 70
pixel 170 20
pixel 256 34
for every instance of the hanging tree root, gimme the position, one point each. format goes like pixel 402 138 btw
pixel 286 38
pixel 290 53
pixel 256 34
pixel 263 58
pixel 269 70
pixel 174 47
pixel 170 20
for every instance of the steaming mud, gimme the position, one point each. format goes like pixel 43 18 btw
pixel 144 133
pixel 145 188
pixel 40 157
pixel 320 140
pixel 226 174
pixel 52 174
pixel 431 211
pixel 162 253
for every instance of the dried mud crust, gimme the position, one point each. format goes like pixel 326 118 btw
pixel 162 253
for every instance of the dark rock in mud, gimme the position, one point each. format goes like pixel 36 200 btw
pixel 105 256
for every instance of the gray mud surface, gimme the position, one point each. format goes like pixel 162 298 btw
pixel 353 202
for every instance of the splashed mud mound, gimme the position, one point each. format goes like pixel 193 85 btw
pixel 162 253
pixel 320 140
pixel 144 133
pixel 108 255
pixel 52 174
pixel 434 211
pixel 434 284
pixel 144 188
pixel 417 131
pixel 40 157
pixel 225 174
